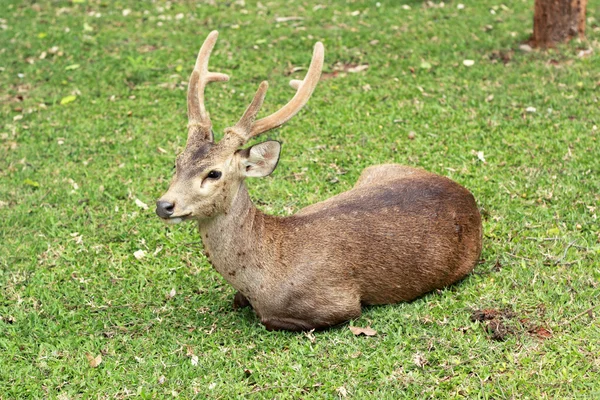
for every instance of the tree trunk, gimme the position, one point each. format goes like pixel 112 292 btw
pixel 557 21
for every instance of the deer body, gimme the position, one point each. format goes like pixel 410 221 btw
pixel 399 233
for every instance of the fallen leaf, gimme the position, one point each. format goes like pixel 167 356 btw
pixel 77 237
pixel 68 99
pixel 531 109
pixel 357 330
pixel 358 68
pixel 141 204
pixel 94 361
pixel 525 47
pixel 480 156
pixel 309 335
pixel 342 391
pixel 286 19
pixel 419 360
pixel 585 53
pixel 541 332
pixel 30 182
pixel 425 65
pixel 139 254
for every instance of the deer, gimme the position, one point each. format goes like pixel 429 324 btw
pixel 399 233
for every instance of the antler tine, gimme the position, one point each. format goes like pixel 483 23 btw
pixel 198 118
pixel 245 123
pixel 250 129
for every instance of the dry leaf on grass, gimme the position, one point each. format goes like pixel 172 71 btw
pixel 585 53
pixel 287 19
pixel 309 335
pixel 419 360
pixel 94 361
pixel 480 156
pixel 357 330
pixel 139 254
pixel 525 47
pixel 541 332
pixel 358 68
pixel 141 204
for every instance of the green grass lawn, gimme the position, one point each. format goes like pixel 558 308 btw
pixel 93 112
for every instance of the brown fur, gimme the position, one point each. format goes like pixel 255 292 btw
pixel 399 233
pixel 377 243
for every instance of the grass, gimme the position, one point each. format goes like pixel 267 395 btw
pixel 70 174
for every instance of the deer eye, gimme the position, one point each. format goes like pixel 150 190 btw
pixel 214 174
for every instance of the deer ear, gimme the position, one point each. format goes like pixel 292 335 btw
pixel 261 159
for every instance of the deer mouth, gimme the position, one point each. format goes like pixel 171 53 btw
pixel 175 219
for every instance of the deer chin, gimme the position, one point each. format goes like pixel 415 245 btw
pixel 176 220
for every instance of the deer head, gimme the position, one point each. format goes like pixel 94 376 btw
pixel 208 174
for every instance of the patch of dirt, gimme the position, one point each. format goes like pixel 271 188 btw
pixel 501 55
pixel 496 322
pixel 500 324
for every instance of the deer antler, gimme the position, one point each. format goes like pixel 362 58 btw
pixel 199 124
pixel 247 128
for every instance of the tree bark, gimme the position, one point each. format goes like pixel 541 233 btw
pixel 557 21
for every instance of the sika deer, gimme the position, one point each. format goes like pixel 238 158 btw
pixel 398 233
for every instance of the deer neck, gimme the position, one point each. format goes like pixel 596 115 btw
pixel 234 242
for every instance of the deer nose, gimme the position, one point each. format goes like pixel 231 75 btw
pixel 164 209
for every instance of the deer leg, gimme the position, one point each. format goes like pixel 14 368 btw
pixel 240 301
pixel 288 324
pixel 296 325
